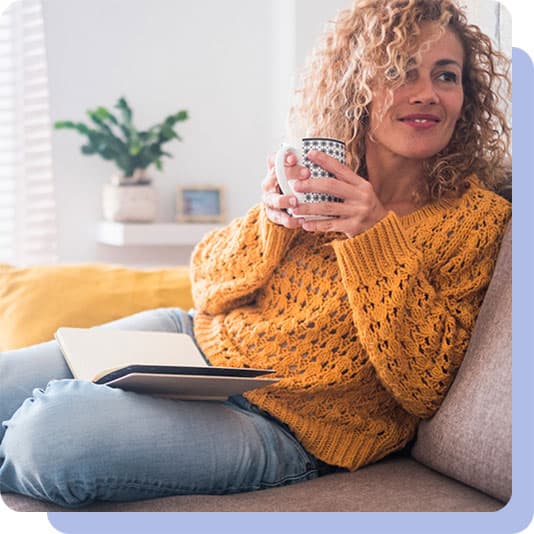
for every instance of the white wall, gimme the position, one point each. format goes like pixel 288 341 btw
pixel 211 57
pixel 230 63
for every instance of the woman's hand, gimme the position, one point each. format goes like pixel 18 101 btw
pixel 360 210
pixel 274 201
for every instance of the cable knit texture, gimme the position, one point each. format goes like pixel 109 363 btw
pixel 366 333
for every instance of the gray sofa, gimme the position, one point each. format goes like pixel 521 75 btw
pixel 461 459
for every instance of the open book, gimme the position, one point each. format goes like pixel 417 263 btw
pixel 159 363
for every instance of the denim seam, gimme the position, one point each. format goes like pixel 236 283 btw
pixel 174 319
pixel 151 487
pixel 254 411
pixel 280 425
pixel 289 478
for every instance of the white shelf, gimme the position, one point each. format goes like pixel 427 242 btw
pixel 150 234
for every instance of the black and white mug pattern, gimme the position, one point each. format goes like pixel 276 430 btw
pixel 331 147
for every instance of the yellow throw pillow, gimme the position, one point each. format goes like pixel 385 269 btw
pixel 36 301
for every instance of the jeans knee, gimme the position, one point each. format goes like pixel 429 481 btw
pixel 48 444
pixel 182 320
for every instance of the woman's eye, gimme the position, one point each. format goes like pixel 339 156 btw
pixel 448 77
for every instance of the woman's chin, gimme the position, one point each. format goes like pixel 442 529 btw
pixel 421 153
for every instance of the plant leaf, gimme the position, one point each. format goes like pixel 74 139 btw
pixel 88 150
pixel 125 110
pixel 105 114
pixel 116 138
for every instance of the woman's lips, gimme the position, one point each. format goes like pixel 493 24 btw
pixel 420 122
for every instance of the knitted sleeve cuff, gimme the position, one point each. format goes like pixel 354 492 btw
pixel 376 250
pixel 275 238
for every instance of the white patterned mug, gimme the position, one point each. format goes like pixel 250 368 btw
pixel 333 147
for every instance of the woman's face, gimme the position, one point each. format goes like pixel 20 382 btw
pixel 424 111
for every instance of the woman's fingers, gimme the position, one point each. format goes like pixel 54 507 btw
pixel 332 165
pixel 331 225
pixel 274 201
pixel 327 186
pixel 289 161
pixel 279 202
pixel 359 210
pixel 332 209
pixel 269 183
pixel 282 218
pixel 292 170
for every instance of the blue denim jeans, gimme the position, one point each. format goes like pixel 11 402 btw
pixel 73 442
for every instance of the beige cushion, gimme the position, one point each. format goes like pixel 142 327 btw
pixel 391 485
pixel 470 437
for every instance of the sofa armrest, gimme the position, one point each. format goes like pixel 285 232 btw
pixel 470 437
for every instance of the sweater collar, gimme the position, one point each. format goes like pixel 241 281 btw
pixel 438 206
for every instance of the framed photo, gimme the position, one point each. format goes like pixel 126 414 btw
pixel 200 204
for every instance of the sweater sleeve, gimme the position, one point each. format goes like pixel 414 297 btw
pixel 230 264
pixel 415 319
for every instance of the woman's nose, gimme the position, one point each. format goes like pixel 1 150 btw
pixel 423 92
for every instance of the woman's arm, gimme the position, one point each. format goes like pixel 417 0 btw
pixel 415 320
pixel 229 265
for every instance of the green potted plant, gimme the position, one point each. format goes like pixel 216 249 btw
pixel 130 195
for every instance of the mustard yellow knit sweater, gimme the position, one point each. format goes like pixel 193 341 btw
pixel 367 333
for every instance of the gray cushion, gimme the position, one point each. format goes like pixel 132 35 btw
pixel 392 485
pixel 470 437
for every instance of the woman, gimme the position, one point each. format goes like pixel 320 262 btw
pixel 365 317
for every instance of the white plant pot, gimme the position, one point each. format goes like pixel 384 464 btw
pixel 129 203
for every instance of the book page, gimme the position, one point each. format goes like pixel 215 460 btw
pixel 90 351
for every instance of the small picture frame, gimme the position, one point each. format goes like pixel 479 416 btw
pixel 200 204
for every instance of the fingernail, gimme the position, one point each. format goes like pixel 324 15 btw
pixel 293 202
pixel 304 173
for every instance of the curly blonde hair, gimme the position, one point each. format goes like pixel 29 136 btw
pixel 376 41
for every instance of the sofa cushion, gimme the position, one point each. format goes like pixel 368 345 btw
pixel 35 301
pixel 391 485
pixel 470 437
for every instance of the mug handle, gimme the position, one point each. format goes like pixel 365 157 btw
pixel 280 169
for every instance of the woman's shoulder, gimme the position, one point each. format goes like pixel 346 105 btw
pixel 477 205
pixel 482 202
pixel 479 215
pixel 472 224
